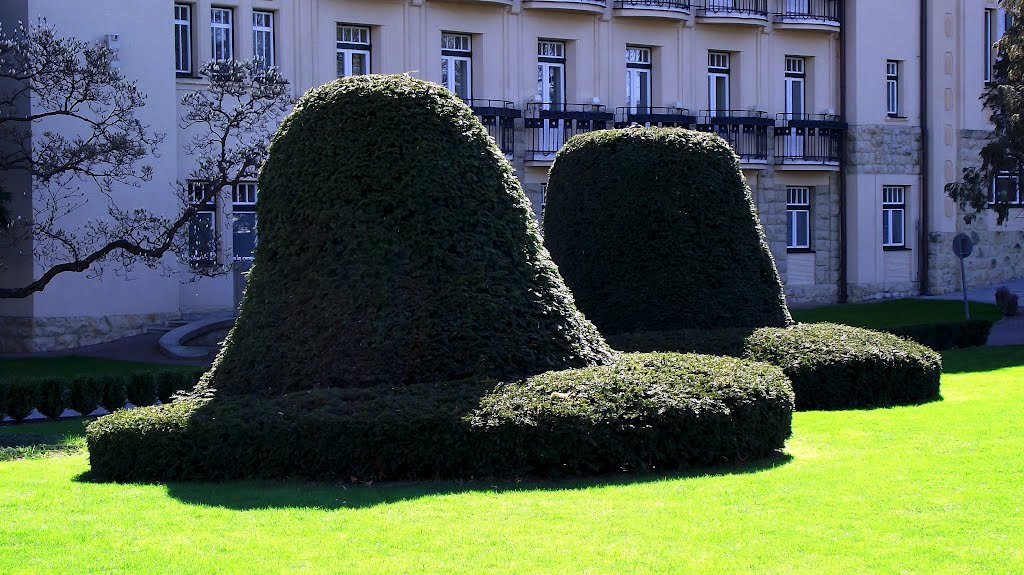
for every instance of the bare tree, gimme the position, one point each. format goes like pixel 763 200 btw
pixel 45 78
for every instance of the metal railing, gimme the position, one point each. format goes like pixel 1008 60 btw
pixel 654 117
pixel 745 130
pixel 817 10
pixel 551 125
pixel 667 4
pixel 757 8
pixel 499 117
pixel 808 139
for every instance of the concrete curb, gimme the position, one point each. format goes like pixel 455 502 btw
pixel 173 342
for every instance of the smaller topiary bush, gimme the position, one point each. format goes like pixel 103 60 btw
pixel 86 394
pixel 115 392
pixel 836 366
pixel 53 396
pixel 647 411
pixel 141 388
pixel 22 397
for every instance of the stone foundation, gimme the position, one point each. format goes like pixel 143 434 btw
pixel 998 256
pixel 27 335
pixel 869 292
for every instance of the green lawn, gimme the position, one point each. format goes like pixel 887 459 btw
pixel 929 489
pixel 894 313
pixel 67 366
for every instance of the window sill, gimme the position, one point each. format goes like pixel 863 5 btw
pixel 896 118
pixel 799 251
pixel 895 249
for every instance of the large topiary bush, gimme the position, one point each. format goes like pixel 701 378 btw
pixel 396 246
pixel 655 229
pixel 646 412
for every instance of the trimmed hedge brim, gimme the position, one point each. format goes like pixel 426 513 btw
pixel 646 412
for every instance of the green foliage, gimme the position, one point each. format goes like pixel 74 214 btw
pixel 396 246
pixel 837 367
pixel 22 396
pixel 647 411
pixel 655 229
pixel 115 392
pixel 141 388
pixel 86 394
pixel 169 383
pixel 53 396
pixel 727 342
pixel 946 335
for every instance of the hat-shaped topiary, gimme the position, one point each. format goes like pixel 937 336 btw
pixel 655 229
pixel 396 246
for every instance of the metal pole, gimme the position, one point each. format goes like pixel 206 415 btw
pixel 963 282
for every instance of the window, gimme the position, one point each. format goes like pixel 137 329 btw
pixel 183 39
pixel 221 33
pixel 457 64
pixel 551 71
pixel 243 220
pixel 202 230
pixel 894 209
pixel 263 38
pixel 892 88
pixel 798 218
pixel 638 78
pixel 353 48
pixel 1005 187
pixel 718 82
pixel 996 23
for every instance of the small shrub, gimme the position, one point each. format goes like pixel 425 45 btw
pixel 115 393
pixel 837 367
pixel 53 396
pixel 171 382
pixel 141 388
pixel 22 397
pixel 86 394
pixel 1007 301
pixel 4 394
pixel 946 335
pixel 648 411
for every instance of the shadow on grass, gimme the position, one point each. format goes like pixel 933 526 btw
pixel 253 495
pixel 980 359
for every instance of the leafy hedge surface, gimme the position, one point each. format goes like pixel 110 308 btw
pixel 648 411
pixel 396 246
pixel 655 229
pixel 836 366
pixel 946 335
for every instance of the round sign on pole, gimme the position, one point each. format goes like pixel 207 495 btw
pixel 962 245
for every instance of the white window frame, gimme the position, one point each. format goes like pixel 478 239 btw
pixel 550 59
pixel 183 39
pixel 639 70
pixel 894 208
pixel 719 67
pixel 892 88
pixel 353 40
pixel 218 15
pixel 244 197
pixel 264 28
pixel 1008 176
pixel 798 202
pixel 457 48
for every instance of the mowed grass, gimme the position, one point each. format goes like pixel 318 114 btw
pixel 928 489
pixel 72 365
pixel 894 313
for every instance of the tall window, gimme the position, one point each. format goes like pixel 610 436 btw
pixel 894 208
pixel 638 78
pixel 183 39
pixel 457 64
pixel 798 218
pixel 996 23
pixel 1005 187
pixel 221 33
pixel 551 71
pixel 892 88
pixel 202 230
pixel 263 37
pixel 353 50
pixel 243 220
pixel 718 81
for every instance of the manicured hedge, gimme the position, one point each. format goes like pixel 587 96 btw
pixel 946 335
pixel 655 229
pixel 84 393
pixel 837 366
pixel 396 247
pixel 646 412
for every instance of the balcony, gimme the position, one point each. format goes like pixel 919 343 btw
pixel 594 6
pixel 672 9
pixel 654 117
pixel 551 125
pixel 808 139
pixel 745 130
pixel 499 117
pixel 822 15
pixel 733 11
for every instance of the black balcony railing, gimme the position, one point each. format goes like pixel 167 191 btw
pixel 654 117
pixel 551 125
pixel 499 117
pixel 808 139
pixel 745 130
pixel 814 10
pixel 667 4
pixel 758 8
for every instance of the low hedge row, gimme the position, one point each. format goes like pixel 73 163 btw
pixel 645 412
pixel 831 366
pixel 84 393
pixel 946 335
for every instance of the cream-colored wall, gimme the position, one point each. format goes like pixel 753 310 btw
pixel 882 30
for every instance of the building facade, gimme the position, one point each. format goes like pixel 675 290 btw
pixel 848 117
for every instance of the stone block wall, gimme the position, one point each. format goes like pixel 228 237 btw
pixel 884 149
pixel 27 335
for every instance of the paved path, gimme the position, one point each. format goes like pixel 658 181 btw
pixel 1008 331
pixel 136 348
